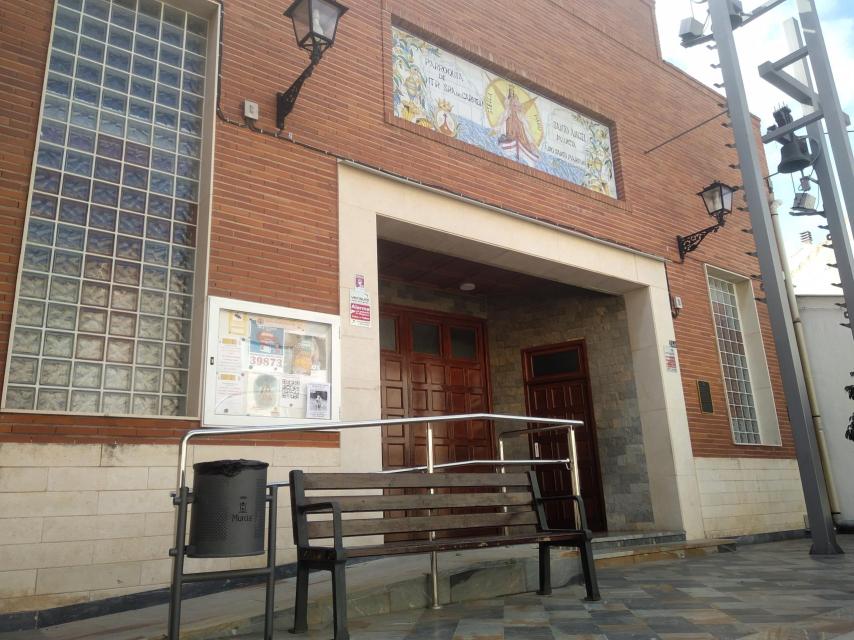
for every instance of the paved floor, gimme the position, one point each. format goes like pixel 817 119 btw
pixel 771 591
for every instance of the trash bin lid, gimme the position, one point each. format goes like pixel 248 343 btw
pixel 227 468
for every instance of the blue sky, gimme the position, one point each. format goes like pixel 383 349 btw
pixel 758 42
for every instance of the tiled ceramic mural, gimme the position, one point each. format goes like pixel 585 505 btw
pixel 445 93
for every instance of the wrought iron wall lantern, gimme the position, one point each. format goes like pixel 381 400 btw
pixel 717 198
pixel 315 26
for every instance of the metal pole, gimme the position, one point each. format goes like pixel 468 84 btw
pixel 576 478
pixel 831 205
pixel 270 595
pixel 812 479
pixel 837 127
pixel 434 556
pixel 831 202
pixel 181 500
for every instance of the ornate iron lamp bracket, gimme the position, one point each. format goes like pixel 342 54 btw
pixel 286 100
pixel 689 243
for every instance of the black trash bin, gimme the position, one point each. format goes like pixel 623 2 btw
pixel 229 509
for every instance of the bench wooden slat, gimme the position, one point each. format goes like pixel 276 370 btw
pixel 456 544
pixel 425 501
pixel 412 480
pixel 375 526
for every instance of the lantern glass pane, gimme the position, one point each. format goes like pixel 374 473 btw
pixel 712 199
pixel 324 18
pixel 727 197
pixel 299 14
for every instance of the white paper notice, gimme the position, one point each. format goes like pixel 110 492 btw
pixel 318 400
pixel 360 308
pixel 291 390
pixel 230 394
pixel 229 357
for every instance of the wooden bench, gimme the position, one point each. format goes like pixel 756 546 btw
pixel 469 511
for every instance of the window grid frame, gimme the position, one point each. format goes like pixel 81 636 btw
pixel 182 342
pixel 735 369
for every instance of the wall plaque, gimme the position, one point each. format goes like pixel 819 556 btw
pixel 448 94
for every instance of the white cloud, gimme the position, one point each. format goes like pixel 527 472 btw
pixel 760 41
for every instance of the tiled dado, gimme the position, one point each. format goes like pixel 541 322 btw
pixel 84 522
pixel 749 495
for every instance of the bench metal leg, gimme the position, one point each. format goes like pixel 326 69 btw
pixel 339 602
pixel 589 568
pixel 545 571
pixel 301 603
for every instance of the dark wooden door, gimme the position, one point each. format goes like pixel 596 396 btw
pixel 433 364
pixel 557 386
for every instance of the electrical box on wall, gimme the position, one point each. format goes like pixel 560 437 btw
pixel 250 110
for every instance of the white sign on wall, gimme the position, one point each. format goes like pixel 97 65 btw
pixel 448 94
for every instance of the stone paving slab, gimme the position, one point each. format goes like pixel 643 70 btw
pixel 773 591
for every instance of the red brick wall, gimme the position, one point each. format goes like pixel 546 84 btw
pixel 599 56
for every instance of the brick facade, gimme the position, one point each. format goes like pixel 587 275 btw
pixel 274 239
pixel 604 61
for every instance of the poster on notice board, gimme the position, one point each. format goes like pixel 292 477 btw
pixel 274 367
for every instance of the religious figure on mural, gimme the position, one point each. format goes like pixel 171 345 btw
pixel 516 137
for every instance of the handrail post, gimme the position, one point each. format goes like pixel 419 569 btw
pixel 504 508
pixel 434 556
pixel 576 479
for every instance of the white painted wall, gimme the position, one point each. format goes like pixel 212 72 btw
pixel 831 355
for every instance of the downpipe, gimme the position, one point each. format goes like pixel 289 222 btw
pixel 843 526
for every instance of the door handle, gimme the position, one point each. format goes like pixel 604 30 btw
pixel 536 450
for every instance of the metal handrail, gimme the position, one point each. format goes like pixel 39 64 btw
pixel 463 463
pixel 573 452
pixel 329 426
pixel 491 463
pixel 516 432
pixel 182 498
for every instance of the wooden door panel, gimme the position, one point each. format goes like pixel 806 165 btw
pixel 418 373
pixel 437 374
pixel 394 398
pixel 474 378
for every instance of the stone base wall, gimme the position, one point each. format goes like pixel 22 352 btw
pixel 519 322
pixel 749 495
pixel 82 522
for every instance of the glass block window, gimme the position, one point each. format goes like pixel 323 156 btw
pixel 742 409
pixel 105 297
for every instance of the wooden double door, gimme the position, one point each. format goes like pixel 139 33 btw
pixel 433 364
pixel 437 364
pixel 557 386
